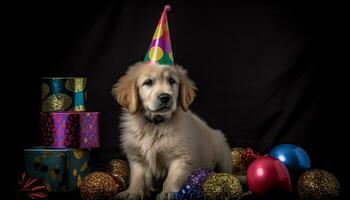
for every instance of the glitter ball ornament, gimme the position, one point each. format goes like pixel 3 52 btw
pixel 317 184
pixel 119 182
pixel 119 167
pixel 197 177
pixel 97 186
pixel 222 186
pixel 241 158
pixel 189 192
pixel 237 165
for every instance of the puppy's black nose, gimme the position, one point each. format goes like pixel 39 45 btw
pixel 164 98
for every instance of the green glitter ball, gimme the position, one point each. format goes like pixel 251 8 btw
pixel 222 186
pixel 317 184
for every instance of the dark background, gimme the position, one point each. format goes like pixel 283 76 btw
pixel 263 70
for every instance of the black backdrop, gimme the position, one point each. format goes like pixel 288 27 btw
pixel 260 69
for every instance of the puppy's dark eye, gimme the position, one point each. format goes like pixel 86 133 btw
pixel 148 82
pixel 171 81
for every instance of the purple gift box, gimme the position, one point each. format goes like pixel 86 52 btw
pixel 70 129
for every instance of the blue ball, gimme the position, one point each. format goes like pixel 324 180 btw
pixel 293 156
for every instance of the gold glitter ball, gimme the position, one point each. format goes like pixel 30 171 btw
pixel 238 167
pixel 222 186
pixel 317 184
pixel 97 186
pixel 119 181
pixel 119 167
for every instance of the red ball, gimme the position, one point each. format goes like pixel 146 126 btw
pixel 267 174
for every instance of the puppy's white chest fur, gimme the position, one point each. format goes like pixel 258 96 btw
pixel 155 149
pixel 153 145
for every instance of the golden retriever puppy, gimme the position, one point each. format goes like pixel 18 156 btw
pixel 163 140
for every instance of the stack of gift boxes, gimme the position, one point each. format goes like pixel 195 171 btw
pixel 68 133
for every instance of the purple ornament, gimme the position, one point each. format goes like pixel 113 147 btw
pixel 198 176
pixel 188 192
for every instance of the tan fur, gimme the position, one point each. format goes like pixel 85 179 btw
pixel 161 156
pixel 125 90
pixel 187 91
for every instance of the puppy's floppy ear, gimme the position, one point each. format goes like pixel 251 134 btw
pixel 125 90
pixel 187 89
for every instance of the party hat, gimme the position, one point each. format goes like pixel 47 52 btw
pixel 159 51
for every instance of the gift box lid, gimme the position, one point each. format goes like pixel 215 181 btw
pixel 41 148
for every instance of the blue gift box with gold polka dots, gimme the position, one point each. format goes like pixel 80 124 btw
pixel 61 169
pixel 63 94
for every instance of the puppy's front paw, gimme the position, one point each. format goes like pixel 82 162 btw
pixel 165 196
pixel 126 195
